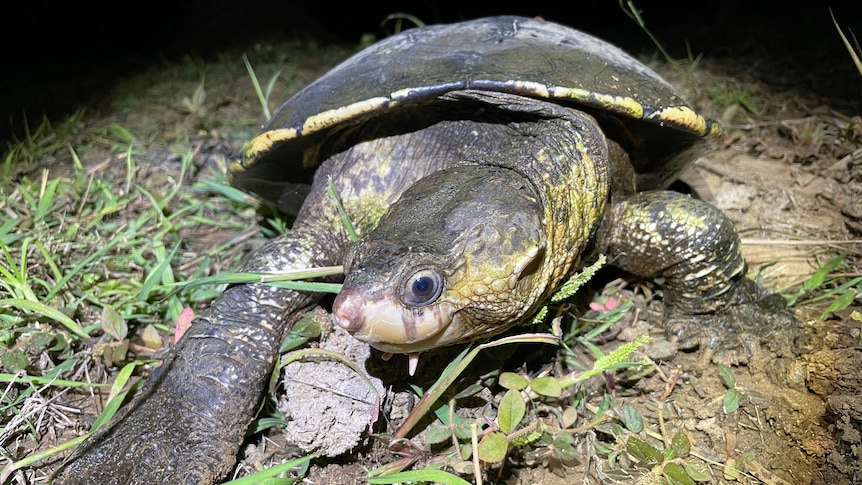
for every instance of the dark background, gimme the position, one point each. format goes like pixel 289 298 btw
pixel 57 57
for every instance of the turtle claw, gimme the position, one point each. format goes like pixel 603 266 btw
pixel 736 331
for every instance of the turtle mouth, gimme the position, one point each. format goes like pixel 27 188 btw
pixel 389 326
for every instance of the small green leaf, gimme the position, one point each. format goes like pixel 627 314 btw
pixel 727 376
pixel 119 352
pixel 113 323
pixel 603 448
pixel 437 433
pixel 261 476
pixel 151 337
pixel 570 416
pixel 612 429
pixel 493 447
pixel 564 443
pixel 840 303
pixel 510 380
pixel 680 444
pixel 669 454
pixel 731 469
pixel 15 361
pixel 612 459
pixel 511 411
pixel 547 386
pixel 820 275
pixel 462 430
pixel 730 403
pixel 305 329
pixel 676 474
pixel 60 343
pixel 634 421
pixel 604 405
pixel 697 471
pixel 645 453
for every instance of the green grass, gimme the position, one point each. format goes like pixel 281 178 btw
pixel 853 48
pixel 90 255
pixel 113 225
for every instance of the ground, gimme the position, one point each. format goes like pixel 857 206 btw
pixel 787 171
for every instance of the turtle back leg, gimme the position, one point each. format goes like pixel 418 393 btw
pixel 187 425
pixel 694 248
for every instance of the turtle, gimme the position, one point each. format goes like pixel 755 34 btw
pixel 481 163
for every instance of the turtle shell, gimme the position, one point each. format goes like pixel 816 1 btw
pixel 517 55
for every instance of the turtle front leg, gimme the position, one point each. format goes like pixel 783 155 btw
pixel 187 425
pixel 693 246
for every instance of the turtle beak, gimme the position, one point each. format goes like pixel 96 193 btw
pixel 347 313
pixel 378 321
pixel 387 325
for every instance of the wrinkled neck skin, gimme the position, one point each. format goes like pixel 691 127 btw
pixel 500 230
pixel 478 227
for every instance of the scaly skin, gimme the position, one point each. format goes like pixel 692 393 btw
pixel 708 302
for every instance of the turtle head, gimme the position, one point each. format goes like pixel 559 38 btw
pixel 458 257
pixel 395 297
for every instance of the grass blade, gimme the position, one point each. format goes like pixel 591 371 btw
pixel 36 457
pixel 423 476
pixel 282 279
pixel 261 97
pixel 850 49
pixel 46 311
pixel 155 276
pixel 260 476
pixel 84 263
pixel 117 396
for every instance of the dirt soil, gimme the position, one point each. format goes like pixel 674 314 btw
pixel 787 171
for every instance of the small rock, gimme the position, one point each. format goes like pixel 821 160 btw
pixel 330 407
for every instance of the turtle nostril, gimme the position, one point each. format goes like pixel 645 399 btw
pixel 341 321
pixel 347 311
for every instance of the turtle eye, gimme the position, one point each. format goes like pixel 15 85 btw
pixel 423 288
